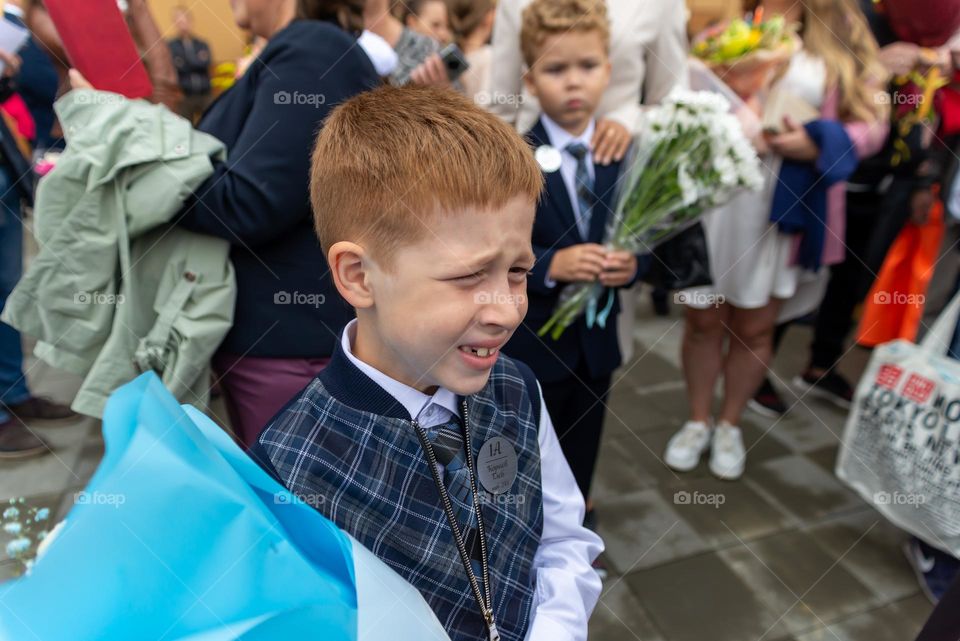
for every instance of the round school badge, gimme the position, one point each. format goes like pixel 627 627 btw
pixel 497 465
pixel 548 158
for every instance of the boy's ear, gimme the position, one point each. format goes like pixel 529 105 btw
pixel 349 269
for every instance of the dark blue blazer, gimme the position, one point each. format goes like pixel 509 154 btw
pixel 37 84
pixel 259 199
pixel 555 228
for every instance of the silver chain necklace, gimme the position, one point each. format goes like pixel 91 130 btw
pixel 483 598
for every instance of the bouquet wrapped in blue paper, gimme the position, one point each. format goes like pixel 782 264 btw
pixel 180 536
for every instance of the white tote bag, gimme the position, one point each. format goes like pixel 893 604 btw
pixel 901 443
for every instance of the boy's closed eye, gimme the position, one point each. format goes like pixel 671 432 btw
pixel 517 274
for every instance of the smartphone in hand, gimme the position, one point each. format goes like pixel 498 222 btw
pixel 454 61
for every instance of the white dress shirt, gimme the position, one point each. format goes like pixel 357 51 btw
pixel 648 51
pixel 381 54
pixel 567 586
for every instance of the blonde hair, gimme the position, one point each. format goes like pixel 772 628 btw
pixel 544 18
pixel 389 160
pixel 837 32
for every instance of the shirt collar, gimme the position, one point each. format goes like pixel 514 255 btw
pixel 413 400
pixel 560 137
pixel 13 10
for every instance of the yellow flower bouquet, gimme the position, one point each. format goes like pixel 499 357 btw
pixel 747 54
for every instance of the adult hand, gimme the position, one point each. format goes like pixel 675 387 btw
pixel 619 268
pixel 610 141
pixel 77 81
pixel 430 73
pixel 582 262
pixel 11 63
pixel 794 143
pixel 900 58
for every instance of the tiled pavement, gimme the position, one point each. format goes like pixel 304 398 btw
pixel 789 555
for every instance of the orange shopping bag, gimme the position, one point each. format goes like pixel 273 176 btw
pixel 894 306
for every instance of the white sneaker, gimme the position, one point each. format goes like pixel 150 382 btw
pixel 727 455
pixel 687 446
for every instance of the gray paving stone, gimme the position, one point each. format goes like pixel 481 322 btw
pixel 701 598
pixel 826 457
pixel 870 547
pixel 630 413
pixel 8 570
pixel 803 488
pixel 646 449
pixel 647 368
pixel 620 615
pixel 805 428
pixel 724 513
pixel 46 474
pixel 617 472
pixel 642 529
pixel 796 579
pixel 891 622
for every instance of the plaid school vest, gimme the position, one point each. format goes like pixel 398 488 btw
pixel 368 474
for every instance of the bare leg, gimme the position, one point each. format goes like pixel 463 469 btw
pixel 749 355
pixel 702 356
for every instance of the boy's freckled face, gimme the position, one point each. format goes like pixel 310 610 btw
pixel 569 76
pixel 452 299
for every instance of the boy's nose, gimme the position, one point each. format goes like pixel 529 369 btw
pixel 502 308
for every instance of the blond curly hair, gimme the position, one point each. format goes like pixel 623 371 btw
pixel 545 18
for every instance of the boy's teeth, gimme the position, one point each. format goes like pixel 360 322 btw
pixel 482 352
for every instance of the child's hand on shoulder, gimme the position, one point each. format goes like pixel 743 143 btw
pixel 619 268
pixel 583 262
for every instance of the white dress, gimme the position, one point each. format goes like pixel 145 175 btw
pixel 750 260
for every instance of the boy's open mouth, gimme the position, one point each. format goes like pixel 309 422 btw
pixel 482 352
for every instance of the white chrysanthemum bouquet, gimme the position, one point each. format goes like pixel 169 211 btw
pixel 691 156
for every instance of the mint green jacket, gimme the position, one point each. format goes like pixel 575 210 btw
pixel 117 289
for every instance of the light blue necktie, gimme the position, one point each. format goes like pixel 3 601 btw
pixel 584 184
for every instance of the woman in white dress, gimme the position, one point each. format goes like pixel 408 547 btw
pixel 757 277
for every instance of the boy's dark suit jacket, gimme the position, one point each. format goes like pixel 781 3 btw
pixel 554 228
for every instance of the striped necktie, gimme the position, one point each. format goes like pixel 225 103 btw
pixel 584 184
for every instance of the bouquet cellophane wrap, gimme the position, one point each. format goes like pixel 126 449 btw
pixel 181 536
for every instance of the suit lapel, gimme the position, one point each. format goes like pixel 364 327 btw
pixel 556 189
